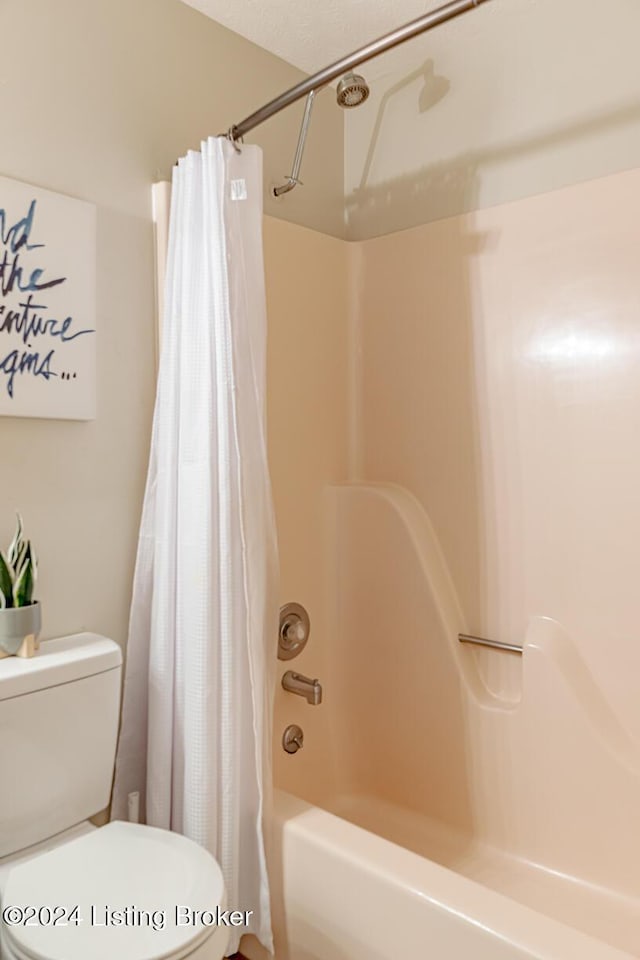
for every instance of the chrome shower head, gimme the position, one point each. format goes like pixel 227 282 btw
pixel 352 90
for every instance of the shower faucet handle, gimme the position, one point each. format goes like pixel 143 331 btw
pixel 294 632
pixel 295 627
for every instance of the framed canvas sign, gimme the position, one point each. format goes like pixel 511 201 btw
pixel 47 304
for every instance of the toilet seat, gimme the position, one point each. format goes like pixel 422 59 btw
pixel 143 872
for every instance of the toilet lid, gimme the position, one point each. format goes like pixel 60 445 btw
pixel 127 881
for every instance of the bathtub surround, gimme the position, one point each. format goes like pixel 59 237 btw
pixel 307 371
pixel 486 430
pixel 501 392
pixel 196 721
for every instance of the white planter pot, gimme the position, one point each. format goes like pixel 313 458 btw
pixel 18 626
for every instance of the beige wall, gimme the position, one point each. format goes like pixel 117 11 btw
pixel 541 94
pixel 97 100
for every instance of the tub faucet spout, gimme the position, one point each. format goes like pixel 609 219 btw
pixel 302 686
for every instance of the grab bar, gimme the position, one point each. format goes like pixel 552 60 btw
pixel 483 642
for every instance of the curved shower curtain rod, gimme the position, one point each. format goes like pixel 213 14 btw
pixel 344 65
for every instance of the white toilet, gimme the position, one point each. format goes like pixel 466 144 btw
pixel 122 891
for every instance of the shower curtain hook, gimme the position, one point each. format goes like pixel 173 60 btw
pixel 231 135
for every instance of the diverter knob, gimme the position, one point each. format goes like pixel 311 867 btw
pixel 293 738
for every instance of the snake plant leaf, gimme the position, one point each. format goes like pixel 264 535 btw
pixel 6 582
pixel 18 560
pixel 15 547
pixel 23 587
pixel 23 558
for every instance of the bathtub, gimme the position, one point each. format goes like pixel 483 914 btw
pixel 449 802
pixel 342 892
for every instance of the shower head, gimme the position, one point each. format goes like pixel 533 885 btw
pixel 352 91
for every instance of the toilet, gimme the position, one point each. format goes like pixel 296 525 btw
pixel 70 890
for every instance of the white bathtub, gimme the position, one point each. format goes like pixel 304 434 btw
pixel 344 893
pixel 460 803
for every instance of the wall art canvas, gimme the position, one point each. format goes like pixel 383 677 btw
pixel 47 304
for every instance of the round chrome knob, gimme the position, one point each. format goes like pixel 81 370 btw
pixel 294 631
pixel 293 738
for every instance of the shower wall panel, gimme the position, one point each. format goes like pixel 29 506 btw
pixel 307 305
pixel 499 370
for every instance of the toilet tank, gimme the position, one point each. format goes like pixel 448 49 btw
pixel 58 730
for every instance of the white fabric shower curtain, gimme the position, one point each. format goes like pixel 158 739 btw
pixel 196 726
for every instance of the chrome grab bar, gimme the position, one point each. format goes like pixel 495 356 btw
pixel 495 644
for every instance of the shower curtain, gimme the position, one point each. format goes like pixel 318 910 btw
pixel 195 738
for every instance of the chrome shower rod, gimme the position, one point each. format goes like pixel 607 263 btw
pixel 340 67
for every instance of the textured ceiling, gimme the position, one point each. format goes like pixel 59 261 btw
pixel 310 34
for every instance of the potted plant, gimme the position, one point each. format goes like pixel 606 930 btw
pixel 20 619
